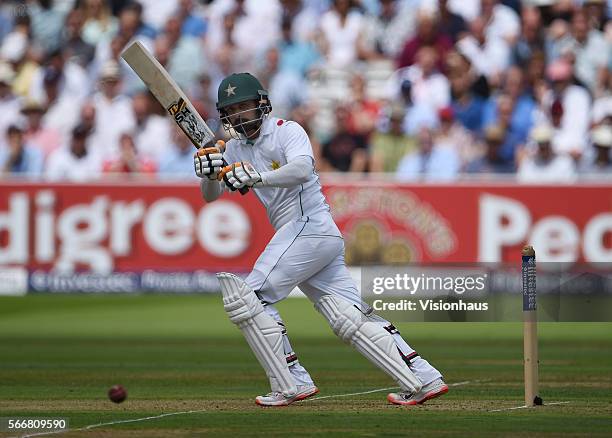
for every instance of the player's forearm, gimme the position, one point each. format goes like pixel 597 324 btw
pixel 291 174
pixel 211 190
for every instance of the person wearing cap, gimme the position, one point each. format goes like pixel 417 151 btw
pixel 74 161
pixel 451 134
pixel 9 103
pixel 491 160
pixel 543 165
pixel 17 157
pixel 389 147
pixel 37 130
pixel 601 162
pixel 114 113
pixel 274 158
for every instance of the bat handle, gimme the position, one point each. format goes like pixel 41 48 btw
pixel 243 190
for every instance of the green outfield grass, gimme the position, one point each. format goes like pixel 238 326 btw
pixel 59 354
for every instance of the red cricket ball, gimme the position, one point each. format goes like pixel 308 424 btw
pixel 117 394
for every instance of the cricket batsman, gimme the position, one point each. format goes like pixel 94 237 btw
pixel 274 158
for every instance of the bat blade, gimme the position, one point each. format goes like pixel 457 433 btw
pixel 170 96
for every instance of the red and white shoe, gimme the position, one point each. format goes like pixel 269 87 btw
pixel 429 391
pixel 278 399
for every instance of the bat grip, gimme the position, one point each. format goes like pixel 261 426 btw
pixel 242 190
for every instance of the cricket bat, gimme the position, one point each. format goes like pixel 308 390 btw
pixel 170 96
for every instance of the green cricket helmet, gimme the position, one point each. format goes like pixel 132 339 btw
pixel 237 88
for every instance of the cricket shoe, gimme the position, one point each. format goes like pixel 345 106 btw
pixel 278 399
pixel 427 392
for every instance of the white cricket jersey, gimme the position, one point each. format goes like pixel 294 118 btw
pixel 280 142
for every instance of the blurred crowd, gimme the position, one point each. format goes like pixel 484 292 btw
pixel 474 86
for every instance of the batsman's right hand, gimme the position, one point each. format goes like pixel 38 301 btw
pixel 208 162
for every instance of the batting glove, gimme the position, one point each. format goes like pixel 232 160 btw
pixel 208 162
pixel 241 174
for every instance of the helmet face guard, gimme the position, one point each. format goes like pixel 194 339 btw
pixel 242 127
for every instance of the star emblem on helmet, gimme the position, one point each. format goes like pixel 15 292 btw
pixel 230 90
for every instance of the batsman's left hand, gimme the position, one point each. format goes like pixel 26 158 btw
pixel 240 174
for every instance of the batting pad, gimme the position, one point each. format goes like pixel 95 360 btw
pixel 261 331
pixel 369 338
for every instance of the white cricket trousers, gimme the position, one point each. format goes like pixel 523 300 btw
pixel 309 253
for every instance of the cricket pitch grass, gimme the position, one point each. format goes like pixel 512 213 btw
pixel 186 366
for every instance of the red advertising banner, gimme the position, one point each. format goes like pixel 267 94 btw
pixel 131 227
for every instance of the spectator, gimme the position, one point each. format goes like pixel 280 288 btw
pixel 76 48
pixel 502 110
pixel 429 85
pixel 602 107
pixel 491 161
pixel 363 111
pixel 72 81
pixel 18 156
pixel 61 111
pixel 532 37
pixel 513 108
pixel 386 32
pixel 186 61
pixel 568 108
pixel 192 24
pixel 601 162
pixel 74 162
pixel 389 147
pixel 427 35
pixel 132 24
pixel 9 104
pixel 177 163
pixel 153 133
pixel 99 22
pixel 589 48
pixel 241 21
pixel 287 87
pixel 450 23
pixel 95 137
pixel 15 51
pixel 490 55
pixel 155 12
pixel 467 105
pixel 432 161
pixel 297 56
pixel 303 115
pixel 501 21
pixel 44 135
pixel 345 151
pixel 544 165
pixel 128 161
pixel 453 135
pixel 47 24
pixel 114 114
pixel 341 28
pixel 304 20
pixel 595 11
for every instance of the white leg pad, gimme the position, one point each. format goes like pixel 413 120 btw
pixel 369 338
pixel 260 330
